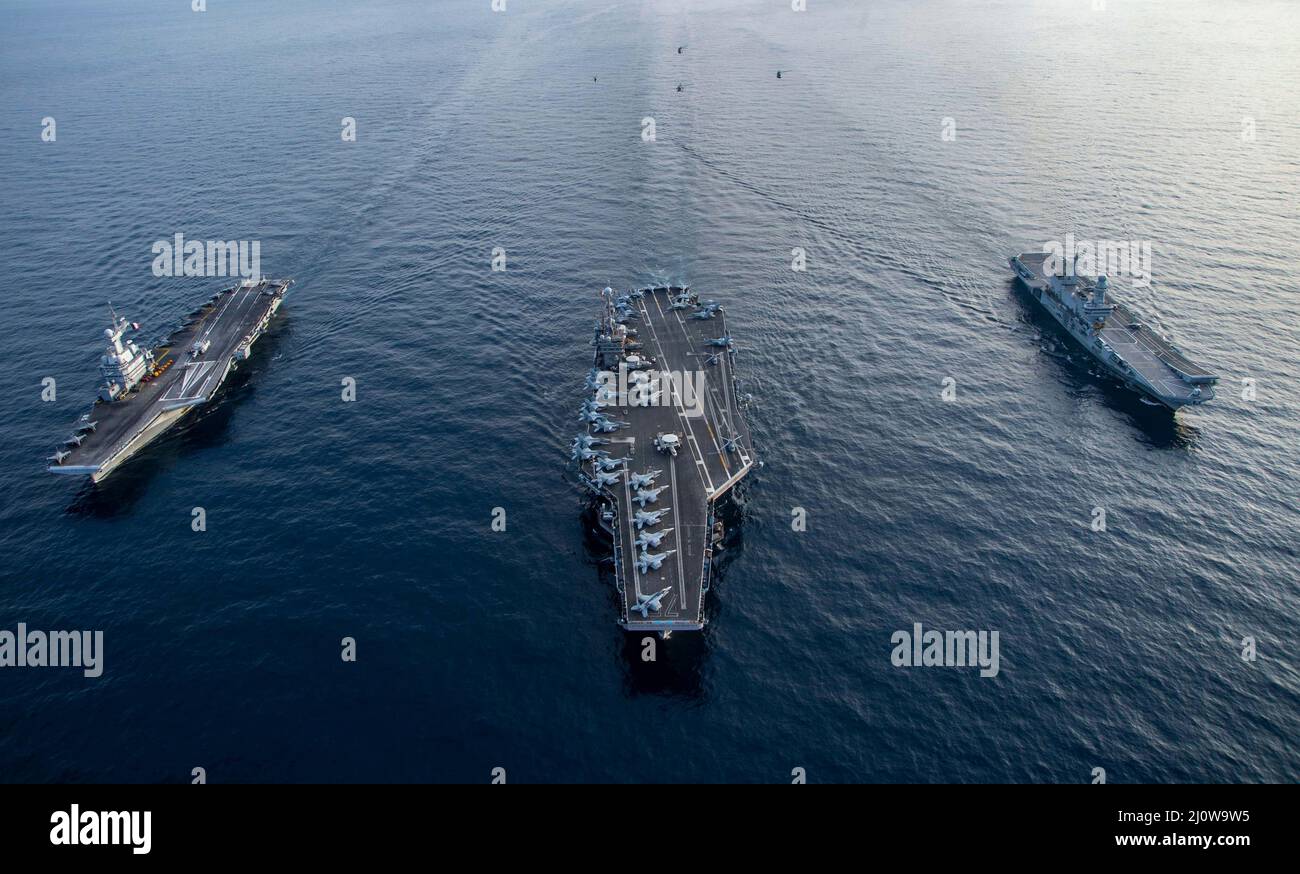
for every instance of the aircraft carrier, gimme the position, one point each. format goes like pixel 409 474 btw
pixel 1129 349
pixel 666 441
pixel 147 391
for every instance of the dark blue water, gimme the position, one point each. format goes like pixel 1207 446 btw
pixel 1119 649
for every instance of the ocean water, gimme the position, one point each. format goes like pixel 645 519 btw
pixel 1170 121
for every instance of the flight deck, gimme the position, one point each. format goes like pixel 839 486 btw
pixel 686 430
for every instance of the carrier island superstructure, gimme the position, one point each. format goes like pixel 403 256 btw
pixel 146 391
pixel 665 441
pixel 1129 349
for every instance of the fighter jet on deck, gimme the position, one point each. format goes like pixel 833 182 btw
pixel 606 425
pixel 651 561
pixel 641 480
pixel 607 479
pixel 584 453
pixel 647 517
pixel 644 496
pixel 647 539
pixel 645 603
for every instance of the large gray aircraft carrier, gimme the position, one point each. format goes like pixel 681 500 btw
pixel 667 440
pixel 147 391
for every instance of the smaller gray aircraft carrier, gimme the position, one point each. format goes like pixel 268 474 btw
pixel 146 391
pixel 1122 342
pixel 665 441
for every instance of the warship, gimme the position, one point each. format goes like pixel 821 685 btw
pixel 1127 347
pixel 146 391
pixel 666 441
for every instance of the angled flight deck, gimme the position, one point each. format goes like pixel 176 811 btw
pixel 667 331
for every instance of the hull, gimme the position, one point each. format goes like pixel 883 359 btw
pixel 155 429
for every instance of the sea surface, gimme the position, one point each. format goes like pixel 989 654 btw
pixel 1170 121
